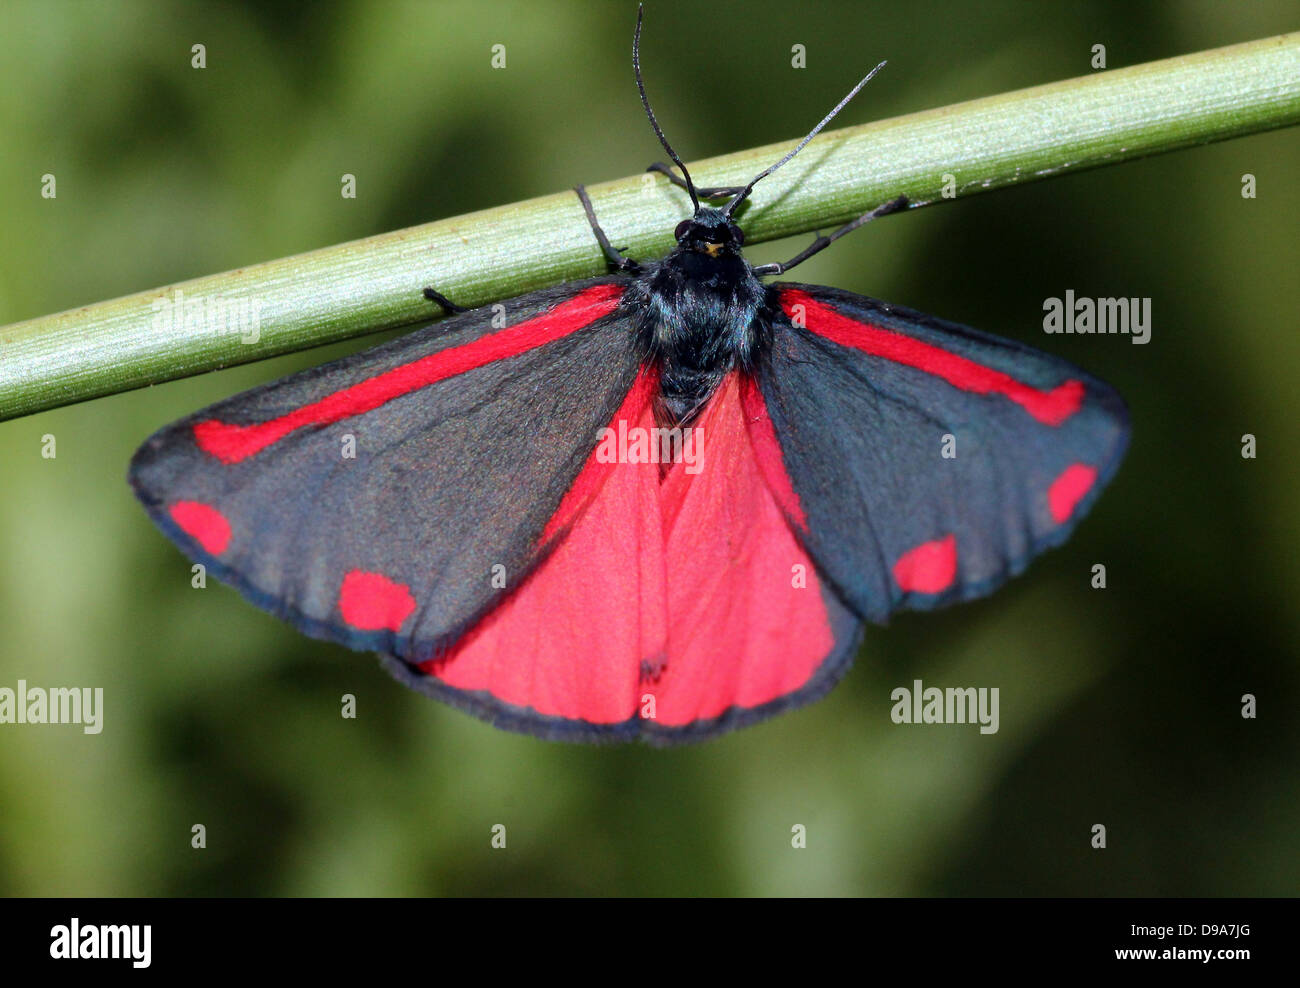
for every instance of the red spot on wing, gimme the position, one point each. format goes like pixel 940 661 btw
pixel 1067 489
pixel 1049 407
pixel 929 568
pixel 203 523
pixel 231 443
pixel 373 602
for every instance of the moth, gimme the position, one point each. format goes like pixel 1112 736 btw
pixel 657 504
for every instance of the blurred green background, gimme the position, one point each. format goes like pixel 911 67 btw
pixel 1119 707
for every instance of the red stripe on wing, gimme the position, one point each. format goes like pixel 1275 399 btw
pixel 231 443
pixel 1049 407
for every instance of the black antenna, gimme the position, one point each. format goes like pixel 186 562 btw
pixel 645 101
pixel 744 193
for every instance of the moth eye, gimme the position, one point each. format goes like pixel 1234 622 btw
pixel 682 227
pixel 738 235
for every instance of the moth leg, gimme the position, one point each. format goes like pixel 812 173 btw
pixel 448 305
pixel 710 193
pixel 613 255
pixel 821 243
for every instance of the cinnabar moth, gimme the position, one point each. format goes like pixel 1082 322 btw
pixel 508 539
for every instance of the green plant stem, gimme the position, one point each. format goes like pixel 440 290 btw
pixel 374 284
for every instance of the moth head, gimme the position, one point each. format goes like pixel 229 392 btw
pixel 710 232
